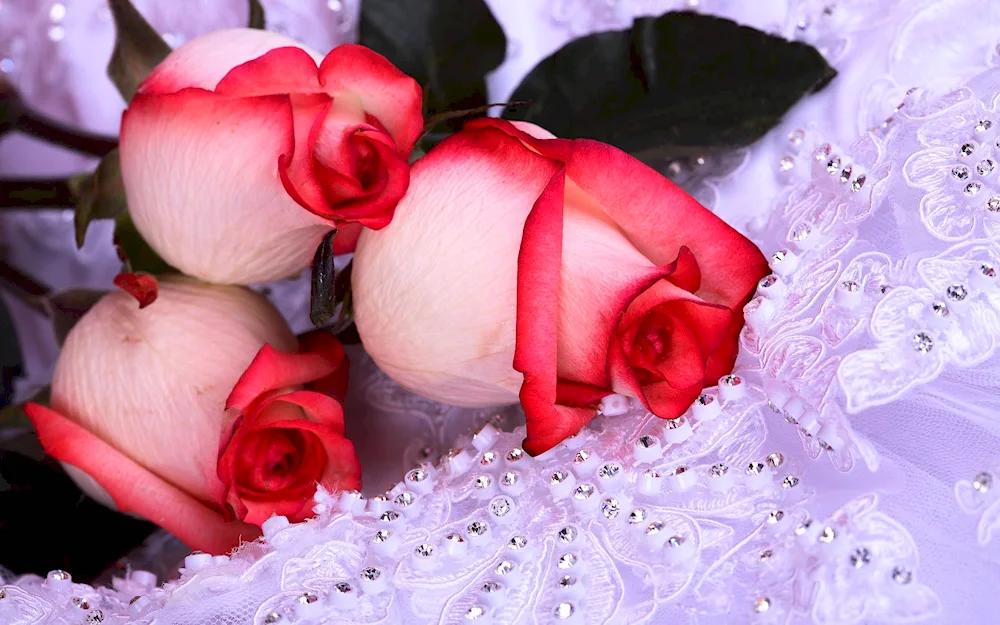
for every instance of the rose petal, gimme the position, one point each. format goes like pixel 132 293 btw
pixel 277 72
pixel 272 370
pixel 347 238
pixel 326 345
pixel 143 287
pixel 134 489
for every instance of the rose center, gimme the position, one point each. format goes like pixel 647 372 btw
pixel 367 160
pixel 274 459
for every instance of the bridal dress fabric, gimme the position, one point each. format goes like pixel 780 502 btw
pixel 846 473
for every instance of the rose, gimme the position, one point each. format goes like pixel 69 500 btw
pixel 556 271
pixel 234 132
pixel 140 412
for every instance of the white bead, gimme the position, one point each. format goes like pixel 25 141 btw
pixel 656 540
pixel 352 502
pixel 777 393
pixel 706 411
pixel 346 599
pixel 795 407
pixel 426 563
pixel 374 586
pixel 576 441
pixel 681 554
pixel 456 547
pixel 199 561
pixel 524 554
pixel 681 480
pixel 137 605
pixel 588 465
pixel 787 265
pixel 759 312
pixel 572 591
pixel 420 486
pixel 980 281
pixel 460 462
pixel 611 478
pixel 829 435
pixel 493 598
pixel 776 288
pixel 216 560
pixel 759 481
pixel 563 489
pixel 519 485
pixel 587 504
pixel 379 504
pixel 317 608
pixel 678 430
pixel 652 453
pixel 809 421
pixel 148 579
pixel 389 546
pixel 721 483
pixel 485 437
pixel 732 392
pixel 615 405
pixel 849 294
pixel 649 483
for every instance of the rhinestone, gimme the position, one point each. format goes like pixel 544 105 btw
pixel 775 460
pixel 509 478
pixel 3 593
pixel 803 527
pixel 787 163
pixel 583 491
pixel 416 475
pixel 654 528
pixel 673 424
pixel 609 470
pixel 474 613
pixel 960 172
pixel 505 567
pixel 491 587
pixel 828 535
pixel 488 458
pixel 517 543
pixel 845 174
pixel 426 452
pixel 987 270
pixel 860 557
pixel 983 125
pixel 901 575
pixel 957 292
pixel 982 482
pixel 822 152
pixel 307 597
pixel 567 534
pixel 380 499
pixel 779 256
pixel 404 499
pixel 767 282
pixel 637 517
pixel 922 342
pixel 424 550
pixel 515 454
pixel 850 286
pixel 766 555
pixel 801 231
pixel 483 481
pixel 985 166
pixel 501 506
pixel 272 618
pixel 676 471
pixel 81 603
pixel 833 165
pixel 790 482
pixel 381 536
pixel 371 574
pixel 651 473
pixel 610 508
pixel 646 441
pixel 59 576
pixel 972 188
pixel 389 516
pixel 731 380
pixel 762 605
pixel 705 400
pixel 455 538
pixel 967 149
pixel 755 468
pixel 718 470
pixel 993 204
pixel 676 541
pixel 567 581
pixel 478 528
pixel 95 617
pixel 858 183
pixel 558 477
pixel 582 456
pixel 940 309
pixel 563 611
pixel 775 516
pixel 567 561
pixel 796 137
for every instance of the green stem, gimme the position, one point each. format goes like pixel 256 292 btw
pixel 53 131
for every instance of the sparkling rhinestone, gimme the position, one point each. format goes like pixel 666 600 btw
pixel 787 163
pixel 583 491
pixel 455 538
pixel 404 499
pixel 705 399
pixel 984 125
pixel 646 441
pixel 558 477
pixel 779 256
pixel 790 482
pixel 972 188
pixel 380 499
pixel 567 534
pixel 501 506
pixel 59 576
pixel 81 603
pixel 673 424
pixel 845 174
pixel 731 380
pixel 762 605
pixel 983 482
pixel 833 165
pixel 822 152
pixel 850 286
pixel 967 149
pixel 957 292
pixel 985 167
pixel 828 535
pixel 509 478
pixel 901 575
pixel 940 309
pixel 505 567
pixel 922 342
pixel 381 536
pixel 483 481
pixel 987 270
pixel 775 516
pixel 308 597
pixel 718 470
pixel 796 137
pixel 515 454
pixel 676 471
pixel 993 204
pixel 858 183
pixel 424 550
pixel 567 561
pixel 563 611
pixel 478 528
pixel 94 617
pixel 491 587
pixel 389 516
pixel 3 593
pixel 637 517
pixel 272 618
pixel 767 282
pixel 567 581
pixel 801 231
pixel 676 541
pixel 654 528
pixel 803 527
pixel 581 456
pixel 371 574
pixel 766 555
pixel 651 473
pixel 488 458
pixel 609 470
pixel 755 468
pixel 517 543
pixel 860 557
pixel 960 172
pixel 775 460
pixel 416 475
pixel 475 613
pixel 610 508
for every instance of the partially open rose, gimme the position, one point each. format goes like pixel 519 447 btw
pixel 139 412
pixel 555 271
pixel 235 132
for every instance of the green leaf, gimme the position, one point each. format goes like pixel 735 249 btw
pixel 138 48
pixel 675 84
pixel 257 18
pixel 448 46
pixel 101 196
pixel 67 307
pixel 323 289
pixel 137 255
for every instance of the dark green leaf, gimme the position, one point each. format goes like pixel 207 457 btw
pixel 36 194
pixel 11 107
pixel 138 255
pixel 324 282
pixel 101 196
pixel 675 83
pixel 138 48
pixel 257 19
pixel 67 307
pixel 448 46
pixel 13 415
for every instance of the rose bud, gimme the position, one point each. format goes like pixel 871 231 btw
pixel 242 149
pixel 555 271
pixel 141 420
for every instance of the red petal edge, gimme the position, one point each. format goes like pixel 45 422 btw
pixel 143 287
